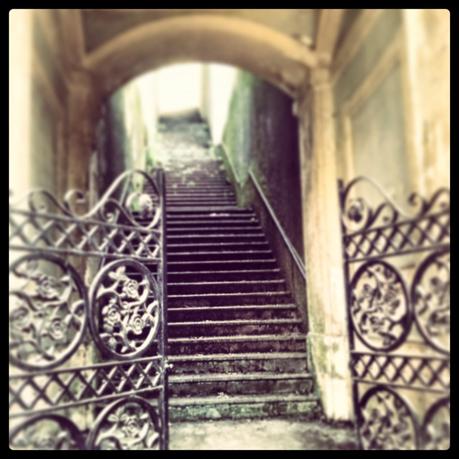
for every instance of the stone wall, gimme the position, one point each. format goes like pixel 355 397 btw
pixel 126 132
pixel 391 91
pixel 261 134
pixel 260 144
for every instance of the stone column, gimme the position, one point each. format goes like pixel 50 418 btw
pixel 327 337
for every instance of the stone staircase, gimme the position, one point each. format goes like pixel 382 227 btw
pixel 236 340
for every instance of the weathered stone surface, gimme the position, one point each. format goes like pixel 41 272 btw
pixel 278 434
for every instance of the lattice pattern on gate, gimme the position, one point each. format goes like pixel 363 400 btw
pixel 397 268
pixel 88 360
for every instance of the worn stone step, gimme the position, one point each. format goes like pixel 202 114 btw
pixel 244 407
pixel 226 265
pixel 222 188
pixel 198 195
pixel 200 199
pixel 197 181
pixel 193 214
pixel 240 384
pixel 220 255
pixel 226 287
pixel 279 362
pixel 211 223
pixel 222 299
pixel 246 274
pixel 214 211
pixel 198 186
pixel 233 312
pixel 215 237
pixel 217 276
pixel 226 202
pixel 295 342
pixel 212 195
pixel 217 246
pixel 223 230
pixel 205 172
pixel 204 219
pixel 234 327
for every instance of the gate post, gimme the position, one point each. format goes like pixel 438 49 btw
pixel 328 334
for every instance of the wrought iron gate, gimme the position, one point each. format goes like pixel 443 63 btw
pixel 88 363
pixel 397 270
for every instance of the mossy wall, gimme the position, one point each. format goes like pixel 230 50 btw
pixel 261 134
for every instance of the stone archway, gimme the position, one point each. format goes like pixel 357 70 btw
pixel 265 52
pixel 295 69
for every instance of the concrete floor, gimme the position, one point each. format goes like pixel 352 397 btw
pixel 271 434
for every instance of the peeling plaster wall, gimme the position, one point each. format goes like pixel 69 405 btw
pixel 431 55
pixel 392 103
pixel 374 143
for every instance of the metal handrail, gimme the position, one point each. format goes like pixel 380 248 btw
pixel 291 249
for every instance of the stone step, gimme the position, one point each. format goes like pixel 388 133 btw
pixel 207 173
pixel 227 202
pixel 197 179
pixel 220 255
pixel 204 219
pixel 295 342
pixel 226 265
pixel 217 246
pixel 278 362
pixel 247 274
pixel 205 210
pixel 226 287
pixel 208 213
pixel 233 312
pixel 188 385
pixel 192 237
pixel 198 195
pixel 211 223
pixel 216 237
pixel 197 184
pixel 210 197
pixel 305 407
pixel 227 299
pixel 223 229
pixel 222 188
pixel 236 327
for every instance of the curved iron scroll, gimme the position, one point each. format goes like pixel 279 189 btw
pixel 102 386
pixel 397 274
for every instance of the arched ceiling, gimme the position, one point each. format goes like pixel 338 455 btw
pixel 101 25
pixel 257 48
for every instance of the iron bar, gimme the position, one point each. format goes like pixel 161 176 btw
pixel 126 307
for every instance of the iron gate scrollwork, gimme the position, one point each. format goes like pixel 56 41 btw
pixel 88 360
pixel 397 269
